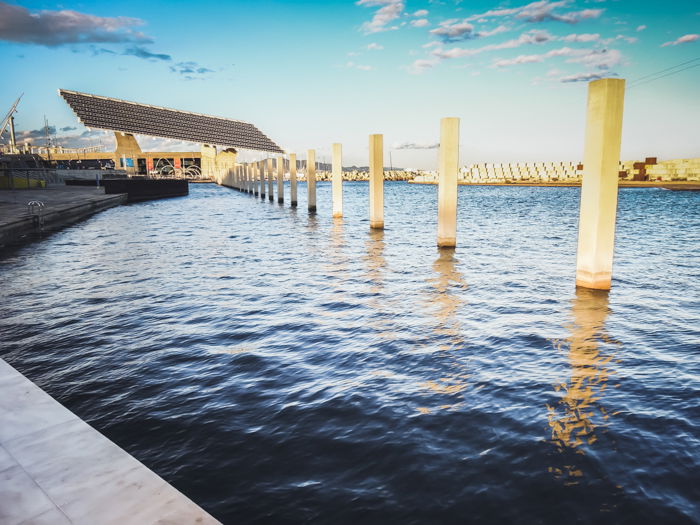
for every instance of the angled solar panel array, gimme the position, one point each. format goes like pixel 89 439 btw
pixel 129 117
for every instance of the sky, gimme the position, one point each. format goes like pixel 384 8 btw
pixel 312 73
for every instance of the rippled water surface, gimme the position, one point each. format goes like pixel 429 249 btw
pixel 280 367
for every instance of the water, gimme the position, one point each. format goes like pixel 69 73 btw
pixel 277 367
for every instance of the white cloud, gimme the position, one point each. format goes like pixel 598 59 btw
pixel 361 67
pixel 583 77
pixel 495 31
pixel 541 11
pixel 421 13
pixel 641 28
pixel 685 39
pixel 421 22
pixel 374 47
pixel 389 10
pixel 583 37
pixel 602 59
pixel 454 31
pixel 422 65
pixel 530 37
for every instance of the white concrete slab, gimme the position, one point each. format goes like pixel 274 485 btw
pixel 55 468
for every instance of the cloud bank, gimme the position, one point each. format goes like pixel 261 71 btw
pixel 57 28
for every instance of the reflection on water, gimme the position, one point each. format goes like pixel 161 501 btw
pixel 376 262
pixel 445 299
pixel 579 411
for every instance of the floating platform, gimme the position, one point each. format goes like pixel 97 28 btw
pixel 146 189
pixel 55 468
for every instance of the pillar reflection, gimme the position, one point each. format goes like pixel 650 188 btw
pixel 579 412
pixel 375 260
pixel 445 299
pixel 338 262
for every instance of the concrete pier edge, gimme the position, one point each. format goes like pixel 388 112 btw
pixel 55 468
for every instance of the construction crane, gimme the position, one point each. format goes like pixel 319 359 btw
pixel 10 120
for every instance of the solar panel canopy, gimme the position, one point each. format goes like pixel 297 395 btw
pixel 130 117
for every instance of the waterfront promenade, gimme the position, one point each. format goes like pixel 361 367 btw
pixel 56 469
pixel 62 205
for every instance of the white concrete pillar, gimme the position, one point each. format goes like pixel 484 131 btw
pixel 337 163
pixel 247 178
pixel 293 178
pixel 447 182
pixel 261 169
pixel 376 181
pixel 280 180
pixel 270 179
pixel 601 158
pixel 311 179
pixel 262 178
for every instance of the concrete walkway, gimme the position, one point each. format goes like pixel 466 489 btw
pixel 57 469
pixel 62 205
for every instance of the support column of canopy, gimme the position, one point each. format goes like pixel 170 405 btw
pixel 596 232
pixel 311 179
pixel 337 171
pixel 293 179
pixel 447 189
pixel 376 181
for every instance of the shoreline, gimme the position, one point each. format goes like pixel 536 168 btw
pixel 670 185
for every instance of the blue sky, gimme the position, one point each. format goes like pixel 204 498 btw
pixel 316 72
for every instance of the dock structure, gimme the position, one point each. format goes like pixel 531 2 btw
pixel 596 233
pixel 57 469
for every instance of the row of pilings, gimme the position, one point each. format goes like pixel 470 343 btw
pixel 598 208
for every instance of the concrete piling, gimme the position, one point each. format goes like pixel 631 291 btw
pixel 270 179
pixel 257 178
pixel 311 179
pixel 447 189
pixel 376 181
pixel 596 232
pixel 337 180
pixel 262 178
pixel 293 179
pixel 280 180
